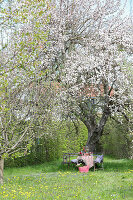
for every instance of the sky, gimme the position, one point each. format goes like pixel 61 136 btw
pixel 129 7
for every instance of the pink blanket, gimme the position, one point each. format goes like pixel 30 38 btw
pixel 88 160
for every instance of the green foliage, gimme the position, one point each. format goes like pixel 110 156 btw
pixel 115 140
pixel 57 139
pixel 75 136
pixel 24 21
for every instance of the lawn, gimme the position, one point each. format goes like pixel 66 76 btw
pixel 53 181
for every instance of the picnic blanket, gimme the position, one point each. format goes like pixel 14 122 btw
pixel 88 160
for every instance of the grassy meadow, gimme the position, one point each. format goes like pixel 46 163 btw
pixel 52 181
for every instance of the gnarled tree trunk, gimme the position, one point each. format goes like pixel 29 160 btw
pixel 95 129
pixel 93 140
pixel 1 170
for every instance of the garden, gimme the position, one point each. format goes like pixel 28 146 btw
pixel 66 74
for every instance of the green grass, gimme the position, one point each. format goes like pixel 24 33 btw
pixel 53 181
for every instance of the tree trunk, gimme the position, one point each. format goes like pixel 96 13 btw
pixel 93 140
pixel 95 131
pixel 1 170
pixel 95 127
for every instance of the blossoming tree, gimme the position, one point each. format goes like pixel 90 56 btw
pixel 23 92
pixel 91 47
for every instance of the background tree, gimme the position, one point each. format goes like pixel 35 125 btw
pixel 117 139
pixel 22 81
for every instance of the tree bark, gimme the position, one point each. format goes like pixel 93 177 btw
pixel 94 125
pixel 1 170
pixel 95 130
pixel 93 140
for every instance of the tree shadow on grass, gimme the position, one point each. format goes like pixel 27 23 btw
pixel 118 165
pixel 110 165
pixel 66 167
pixel 57 165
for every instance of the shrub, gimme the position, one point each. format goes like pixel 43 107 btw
pixel 115 140
pixel 58 138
